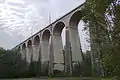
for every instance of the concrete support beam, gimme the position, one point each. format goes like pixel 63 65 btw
pixel 51 56
pixel 75 44
pixel 76 52
pixel 44 56
pixel 29 52
pixel 58 52
pixel 35 53
pixel 23 54
pixel 44 49
pixel 68 57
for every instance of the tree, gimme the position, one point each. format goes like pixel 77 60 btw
pixel 102 18
pixel 11 64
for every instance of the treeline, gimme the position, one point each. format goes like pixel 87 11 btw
pixel 12 66
pixel 102 18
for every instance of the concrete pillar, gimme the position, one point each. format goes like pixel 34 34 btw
pixel 29 54
pixel 73 51
pixel 75 44
pixel 23 54
pixel 45 51
pixel 35 53
pixel 44 56
pixel 35 60
pixel 68 57
pixel 51 57
pixel 58 52
pixel 76 52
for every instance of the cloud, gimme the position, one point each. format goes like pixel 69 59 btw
pixel 18 17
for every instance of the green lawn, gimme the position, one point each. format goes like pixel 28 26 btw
pixel 78 78
pixel 65 78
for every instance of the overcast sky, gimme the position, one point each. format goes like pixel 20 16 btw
pixel 17 17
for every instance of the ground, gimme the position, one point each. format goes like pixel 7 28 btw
pixel 70 78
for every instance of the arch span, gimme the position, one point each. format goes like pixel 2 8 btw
pixel 23 46
pixel 46 35
pixel 75 18
pixel 36 40
pixel 58 28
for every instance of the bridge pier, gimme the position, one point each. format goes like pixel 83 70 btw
pixel 51 56
pixel 28 55
pixel 68 57
pixel 36 53
pixel 58 53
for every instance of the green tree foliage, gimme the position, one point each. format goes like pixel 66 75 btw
pixel 86 64
pixel 102 18
pixel 11 64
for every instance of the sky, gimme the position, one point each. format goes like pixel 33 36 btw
pixel 19 19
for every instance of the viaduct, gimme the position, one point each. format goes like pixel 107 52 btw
pixel 46 45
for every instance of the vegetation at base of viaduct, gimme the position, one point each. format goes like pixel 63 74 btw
pixel 12 66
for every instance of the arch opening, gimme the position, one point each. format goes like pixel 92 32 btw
pixel 46 35
pixel 29 44
pixel 84 36
pixel 74 20
pixel 58 47
pixel 58 28
pixel 23 46
pixel 36 40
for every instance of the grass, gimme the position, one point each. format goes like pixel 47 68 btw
pixel 65 78
pixel 79 78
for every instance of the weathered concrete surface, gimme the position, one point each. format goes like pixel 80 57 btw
pixel 44 51
pixel 58 52
pixel 75 44
pixel 36 49
pixel 23 53
pixel 29 55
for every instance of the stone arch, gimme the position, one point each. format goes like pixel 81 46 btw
pixel 29 43
pixel 58 47
pixel 46 35
pixel 24 46
pixel 75 18
pixel 45 52
pixel 36 40
pixel 58 28
pixel 29 51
